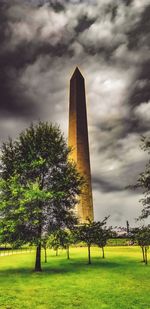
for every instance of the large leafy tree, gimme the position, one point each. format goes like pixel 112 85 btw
pixel 38 186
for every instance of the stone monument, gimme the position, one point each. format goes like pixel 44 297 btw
pixel 78 140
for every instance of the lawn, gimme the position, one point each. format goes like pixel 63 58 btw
pixel 120 281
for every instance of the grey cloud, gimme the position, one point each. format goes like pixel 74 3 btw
pixel 105 186
pixel 140 90
pixel 121 207
pixel 139 35
pixel 84 23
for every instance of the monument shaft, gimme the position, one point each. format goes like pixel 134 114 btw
pixel 78 140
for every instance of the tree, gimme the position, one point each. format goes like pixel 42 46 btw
pixel 44 243
pixel 61 238
pixel 128 227
pixel 142 236
pixel 66 239
pixel 38 186
pixel 102 235
pixel 88 232
pixel 84 232
pixel 54 242
pixel 143 181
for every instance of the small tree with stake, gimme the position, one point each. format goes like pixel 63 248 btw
pixel 86 233
pixel 54 242
pixel 102 235
pixel 38 186
pixel 61 239
pixel 66 239
pixel 142 236
pixel 92 233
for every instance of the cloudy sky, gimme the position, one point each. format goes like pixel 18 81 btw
pixel 42 41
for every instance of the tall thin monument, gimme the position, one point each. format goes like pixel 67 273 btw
pixel 78 140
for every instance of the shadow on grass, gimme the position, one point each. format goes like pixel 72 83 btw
pixel 24 265
pixel 64 266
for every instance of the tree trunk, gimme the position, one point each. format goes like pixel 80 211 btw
pixel 38 248
pixel 45 254
pixel 38 258
pixel 68 256
pixel 103 255
pixel 89 254
pixel 143 254
pixel 56 252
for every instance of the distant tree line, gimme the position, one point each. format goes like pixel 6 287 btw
pixel 90 233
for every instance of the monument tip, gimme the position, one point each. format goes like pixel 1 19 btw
pixel 77 73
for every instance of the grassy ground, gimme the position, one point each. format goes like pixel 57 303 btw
pixel 120 281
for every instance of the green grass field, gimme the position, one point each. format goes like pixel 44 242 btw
pixel 120 281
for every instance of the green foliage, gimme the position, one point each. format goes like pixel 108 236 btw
pixel 143 181
pixel 93 233
pixel 62 238
pixel 102 235
pixel 54 241
pixel 118 242
pixel 38 186
pixel 142 236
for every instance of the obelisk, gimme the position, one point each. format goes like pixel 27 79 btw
pixel 78 140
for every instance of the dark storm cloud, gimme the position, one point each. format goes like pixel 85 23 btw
pixel 14 59
pixel 140 91
pixel 105 186
pixel 139 38
pixel 17 53
pixel 84 23
pixel 128 2
pixel 15 99
pixel 11 99
pixel 140 34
